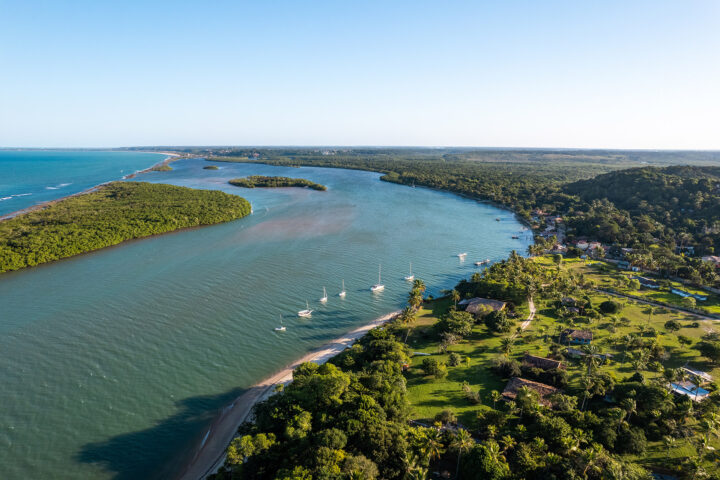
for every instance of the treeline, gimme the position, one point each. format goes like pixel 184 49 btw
pixel 112 214
pixel 275 182
pixel 669 215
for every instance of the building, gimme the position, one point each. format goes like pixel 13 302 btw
pixel 685 294
pixel 541 362
pixel 576 337
pixel 705 377
pixel 516 383
pixel 647 282
pixel 688 389
pixel 712 259
pixel 481 306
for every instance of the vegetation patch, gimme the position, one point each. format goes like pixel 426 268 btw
pixel 112 214
pixel 211 167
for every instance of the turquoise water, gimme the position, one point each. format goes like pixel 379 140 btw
pixel 29 177
pixel 114 363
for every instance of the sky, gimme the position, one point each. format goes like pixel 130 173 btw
pixel 506 73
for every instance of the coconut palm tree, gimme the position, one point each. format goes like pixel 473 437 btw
pixel 455 296
pixel 433 447
pixel 506 344
pixel 419 285
pixel 462 442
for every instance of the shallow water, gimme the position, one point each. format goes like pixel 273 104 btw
pixel 113 363
pixel 29 177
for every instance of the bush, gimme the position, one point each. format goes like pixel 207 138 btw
pixel 446 416
pixel 434 367
pixel 472 397
pixel 457 323
pixel 632 440
pixel 505 367
pixel 610 307
pixel 672 326
pixel 498 322
pixel 454 359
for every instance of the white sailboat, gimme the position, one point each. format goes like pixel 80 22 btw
pixel 342 292
pixel 378 287
pixel 323 299
pixel 307 312
pixel 410 277
pixel 281 328
pixel 462 256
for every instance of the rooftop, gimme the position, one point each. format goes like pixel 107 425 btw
pixel 541 362
pixel 516 383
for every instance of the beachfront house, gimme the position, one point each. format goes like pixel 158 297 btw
pixel 516 383
pixel 571 336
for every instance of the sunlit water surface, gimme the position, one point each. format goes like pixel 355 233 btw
pixel 112 364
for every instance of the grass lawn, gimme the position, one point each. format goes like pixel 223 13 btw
pixel 430 396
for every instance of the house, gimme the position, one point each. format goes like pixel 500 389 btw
pixel 576 337
pixel 480 306
pixel 569 301
pixel 575 353
pixel 685 294
pixel 647 282
pixel 541 362
pixel 688 389
pixel 558 248
pixel 706 377
pixel 582 245
pixel 712 259
pixel 516 383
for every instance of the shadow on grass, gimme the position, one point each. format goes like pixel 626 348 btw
pixel 161 451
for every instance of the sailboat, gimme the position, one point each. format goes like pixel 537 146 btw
pixel 323 299
pixel 378 287
pixel 281 328
pixel 410 277
pixel 307 312
pixel 462 256
pixel 342 292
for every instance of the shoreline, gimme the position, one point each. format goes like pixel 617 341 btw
pixel 210 453
pixel 47 203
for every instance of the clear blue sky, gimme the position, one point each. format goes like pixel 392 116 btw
pixel 619 74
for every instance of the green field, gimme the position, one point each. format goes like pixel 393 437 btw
pixel 430 396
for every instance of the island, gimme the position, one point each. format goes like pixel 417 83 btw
pixel 211 167
pixel 261 181
pixel 161 168
pixel 108 215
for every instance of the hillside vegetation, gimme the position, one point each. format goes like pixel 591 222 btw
pixel 112 214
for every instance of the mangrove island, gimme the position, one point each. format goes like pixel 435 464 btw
pixel 108 215
pixel 262 181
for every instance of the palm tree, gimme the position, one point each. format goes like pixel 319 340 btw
pixel 591 358
pixel 419 285
pixel 415 298
pixel 455 296
pixel 463 441
pixel 508 442
pixel 587 384
pixel 669 442
pixel 495 396
pixel 506 344
pixel 433 447
pixel 630 407
pixel 417 472
pixel 407 318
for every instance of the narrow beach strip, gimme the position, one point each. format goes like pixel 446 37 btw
pixel 210 453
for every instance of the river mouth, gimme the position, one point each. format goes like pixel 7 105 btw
pixel 114 363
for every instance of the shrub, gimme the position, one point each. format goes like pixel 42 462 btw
pixel 498 322
pixel 505 367
pixel 472 397
pixel 672 325
pixel 446 416
pixel 454 359
pixel 610 307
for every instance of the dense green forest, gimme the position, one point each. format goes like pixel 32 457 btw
pixel 262 181
pixel 111 214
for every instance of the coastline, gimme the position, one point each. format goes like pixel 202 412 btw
pixel 210 453
pixel 169 158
